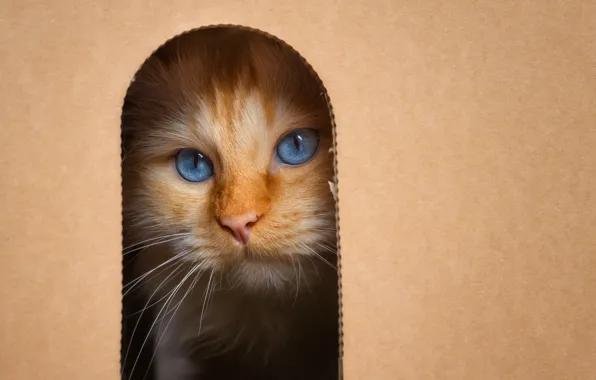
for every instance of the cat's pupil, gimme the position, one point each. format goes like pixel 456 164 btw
pixel 196 160
pixel 297 141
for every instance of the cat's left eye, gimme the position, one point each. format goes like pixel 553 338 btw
pixel 298 146
pixel 193 165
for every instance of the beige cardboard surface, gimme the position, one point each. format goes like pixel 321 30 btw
pixel 467 161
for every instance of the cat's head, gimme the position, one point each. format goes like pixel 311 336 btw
pixel 226 144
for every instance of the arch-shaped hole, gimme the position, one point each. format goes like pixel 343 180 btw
pixel 230 233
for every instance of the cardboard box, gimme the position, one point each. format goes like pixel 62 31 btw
pixel 467 161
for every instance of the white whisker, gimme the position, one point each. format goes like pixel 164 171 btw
pixel 176 270
pixel 139 320
pixel 171 260
pixel 175 308
pixel 297 273
pixel 155 238
pixel 152 244
pixel 192 284
pixel 318 255
pixel 206 296
pixel 327 247
pixel 172 295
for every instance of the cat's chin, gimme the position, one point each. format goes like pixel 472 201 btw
pixel 261 271
pixel 264 275
pixel 259 275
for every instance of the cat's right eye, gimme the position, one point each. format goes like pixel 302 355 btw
pixel 298 146
pixel 193 165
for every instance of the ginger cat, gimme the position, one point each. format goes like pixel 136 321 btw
pixel 229 220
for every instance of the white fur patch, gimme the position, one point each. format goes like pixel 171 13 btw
pixel 252 122
pixel 333 189
pixel 262 276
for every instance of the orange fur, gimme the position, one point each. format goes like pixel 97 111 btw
pixel 231 94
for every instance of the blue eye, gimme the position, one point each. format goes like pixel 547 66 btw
pixel 298 146
pixel 193 165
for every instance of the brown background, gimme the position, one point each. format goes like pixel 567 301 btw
pixel 467 161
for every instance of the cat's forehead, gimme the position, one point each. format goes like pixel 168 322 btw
pixel 238 115
pixel 221 96
pixel 240 109
pixel 244 120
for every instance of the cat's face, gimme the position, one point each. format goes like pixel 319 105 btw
pixel 239 165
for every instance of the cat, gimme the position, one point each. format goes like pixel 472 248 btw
pixel 229 219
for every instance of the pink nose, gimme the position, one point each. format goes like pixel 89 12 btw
pixel 240 225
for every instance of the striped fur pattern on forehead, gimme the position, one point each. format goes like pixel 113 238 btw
pixel 220 69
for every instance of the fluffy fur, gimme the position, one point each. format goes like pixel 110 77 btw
pixel 218 310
